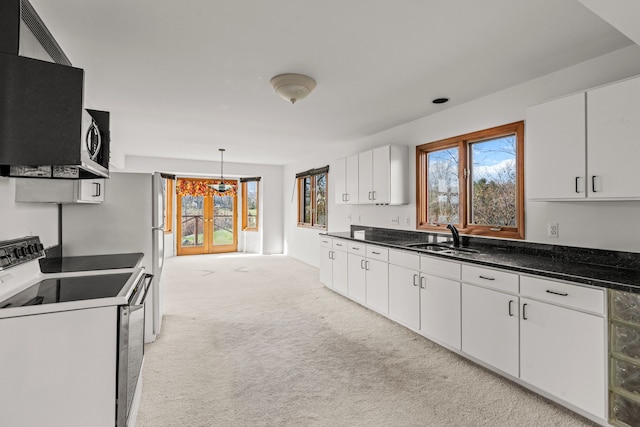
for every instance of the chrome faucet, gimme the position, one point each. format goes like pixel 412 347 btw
pixel 456 235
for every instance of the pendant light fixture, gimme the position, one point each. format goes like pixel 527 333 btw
pixel 293 87
pixel 221 187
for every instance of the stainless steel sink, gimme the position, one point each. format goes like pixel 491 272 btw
pixel 440 248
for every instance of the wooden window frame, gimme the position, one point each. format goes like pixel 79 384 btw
pixel 299 182
pixel 463 143
pixel 245 207
pixel 168 207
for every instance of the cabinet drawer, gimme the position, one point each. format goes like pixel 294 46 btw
pixel 376 252
pixel 340 245
pixel 439 267
pixel 574 296
pixel 494 279
pixel 405 259
pixel 357 248
pixel 326 242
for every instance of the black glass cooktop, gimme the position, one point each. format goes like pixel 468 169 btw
pixel 67 289
pixel 91 262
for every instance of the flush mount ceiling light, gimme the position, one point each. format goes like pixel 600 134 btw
pixel 293 87
pixel 221 186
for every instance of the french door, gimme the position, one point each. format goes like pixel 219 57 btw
pixel 208 222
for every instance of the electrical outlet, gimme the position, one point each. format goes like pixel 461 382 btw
pixel 407 220
pixel 349 218
pixel 553 230
pixel 395 220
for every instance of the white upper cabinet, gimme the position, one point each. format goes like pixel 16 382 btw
pixel 584 146
pixel 345 171
pixel 613 140
pixel 555 149
pixel 383 175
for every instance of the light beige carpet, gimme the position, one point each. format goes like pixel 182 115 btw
pixel 259 341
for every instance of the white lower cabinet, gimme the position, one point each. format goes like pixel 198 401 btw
pixel 377 278
pixel 440 309
pixel 549 334
pixel 404 296
pixel 563 352
pixel 440 300
pixel 490 327
pixel 339 276
pixel 357 277
pixel 333 263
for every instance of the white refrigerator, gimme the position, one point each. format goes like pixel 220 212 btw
pixel 131 219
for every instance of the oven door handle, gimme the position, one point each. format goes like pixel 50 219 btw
pixel 141 295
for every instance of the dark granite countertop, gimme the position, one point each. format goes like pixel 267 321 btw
pixel 91 262
pixel 601 268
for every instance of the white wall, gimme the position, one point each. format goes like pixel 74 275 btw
pixel 26 219
pixel 606 225
pixel 269 240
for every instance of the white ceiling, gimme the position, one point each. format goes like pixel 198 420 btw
pixel 184 78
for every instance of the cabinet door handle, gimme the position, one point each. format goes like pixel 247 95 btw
pixel 423 282
pixel 355 248
pixel 366 265
pixel 361 264
pixel 593 183
pixel 374 195
pixel 524 311
pixel 510 311
pixel 96 187
pixel 415 278
pixel 331 255
pixel 370 195
pixel 562 294
pixel 577 180
pixel 346 197
pixel 487 277
pixel 375 253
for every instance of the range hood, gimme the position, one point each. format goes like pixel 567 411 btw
pixel 45 132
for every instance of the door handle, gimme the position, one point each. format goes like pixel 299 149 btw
pixel 593 183
pixel 362 264
pixel 577 180
pixel 415 277
pixel 366 265
pixel 423 282
pixel 510 312
pixel 524 311
pixel 96 188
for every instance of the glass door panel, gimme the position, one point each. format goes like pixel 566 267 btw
pixel 223 232
pixel 208 223
pixel 192 221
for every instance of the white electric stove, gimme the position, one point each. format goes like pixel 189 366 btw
pixel 72 343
